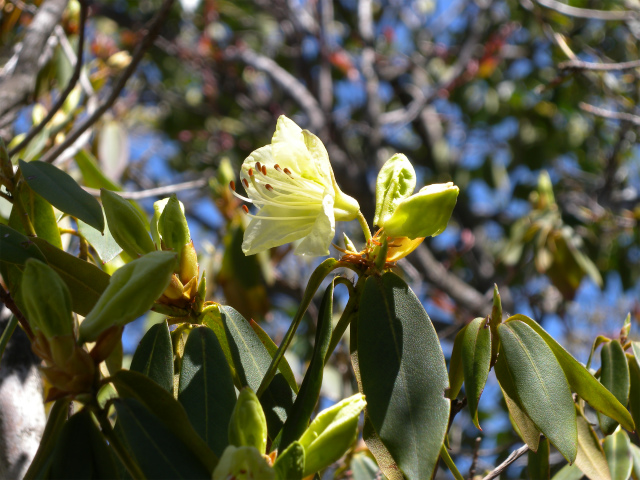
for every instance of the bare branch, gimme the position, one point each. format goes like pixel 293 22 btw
pixel 5 298
pixel 607 15
pixel 495 473
pixel 601 112
pixel 372 83
pixel 156 192
pixel 16 87
pixel 70 86
pixel 147 41
pixel 289 84
pixel 580 65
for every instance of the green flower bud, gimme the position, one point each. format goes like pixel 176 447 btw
pixel 172 226
pixel 396 181
pixel 546 198
pixel 243 463
pixel 331 433
pixel 424 214
pixel 198 305
pixel 46 299
pixel 188 262
pixel 248 425
pixel 131 292
pixel 126 224
pixel 348 244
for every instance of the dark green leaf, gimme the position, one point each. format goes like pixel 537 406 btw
pixel 581 380
pixel 590 459
pixel 154 356
pixel 403 374
pixel 158 451
pixel 540 385
pixel 494 321
pixel 16 248
pixel 634 390
pixel 85 281
pixel 456 371
pixel 538 465
pixel 206 388
pixel 82 452
pixel 211 317
pixel 617 448
pixel 476 358
pixel 163 405
pixel 522 424
pixel 41 463
pixel 614 375
pixel 290 463
pixel 302 409
pixel 251 360
pixel 59 189
pixel 283 367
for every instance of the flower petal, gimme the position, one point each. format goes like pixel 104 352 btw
pixel 264 233
pixel 320 157
pixel 316 242
pixel 289 149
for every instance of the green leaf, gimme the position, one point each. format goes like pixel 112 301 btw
pixel 456 371
pixel 581 380
pixel 568 472
pixel 476 358
pixel 158 451
pixel 59 189
pixel 635 455
pixel 540 385
pixel 283 367
pixel 617 448
pixel 103 243
pixel 494 321
pixel 309 393
pixel 290 463
pixel 211 317
pixel 634 390
pixel 91 173
pixel 590 459
pixel 538 464
pixel 614 375
pixel 403 374
pixel 40 213
pixel 206 388
pixel 446 458
pixel 522 424
pixel 163 405
pixel 81 451
pixel 41 463
pixel 17 248
pixel 154 356
pixel 363 467
pixel 252 360
pixel 85 281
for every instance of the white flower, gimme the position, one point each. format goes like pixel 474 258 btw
pixel 292 184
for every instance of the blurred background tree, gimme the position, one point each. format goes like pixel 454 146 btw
pixel 530 107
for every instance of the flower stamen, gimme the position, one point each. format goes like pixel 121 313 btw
pixel 232 184
pixel 246 209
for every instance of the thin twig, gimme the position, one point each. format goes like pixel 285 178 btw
pixel 5 297
pixel 607 15
pixel 601 112
pixel 580 65
pixel 510 459
pixel 155 192
pixel 474 461
pixel 147 41
pixel 70 86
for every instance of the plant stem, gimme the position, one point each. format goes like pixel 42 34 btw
pixel 8 331
pixel 365 227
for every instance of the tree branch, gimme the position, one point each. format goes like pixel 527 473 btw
pixel 155 192
pixel 147 41
pixel 580 65
pixel 70 86
pixel 510 459
pixel 601 112
pixel 289 84
pixel 16 87
pixel 8 302
pixel 607 15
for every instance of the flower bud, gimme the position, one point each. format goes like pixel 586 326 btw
pixel 348 244
pixel 126 224
pixel 331 433
pixel 248 425
pixel 424 214
pixel 401 247
pixel 198 305
pixel 243 463
pixel 46 299
pixel 131 292
pixel 188 262
pixel 396 181
pixel 172 226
